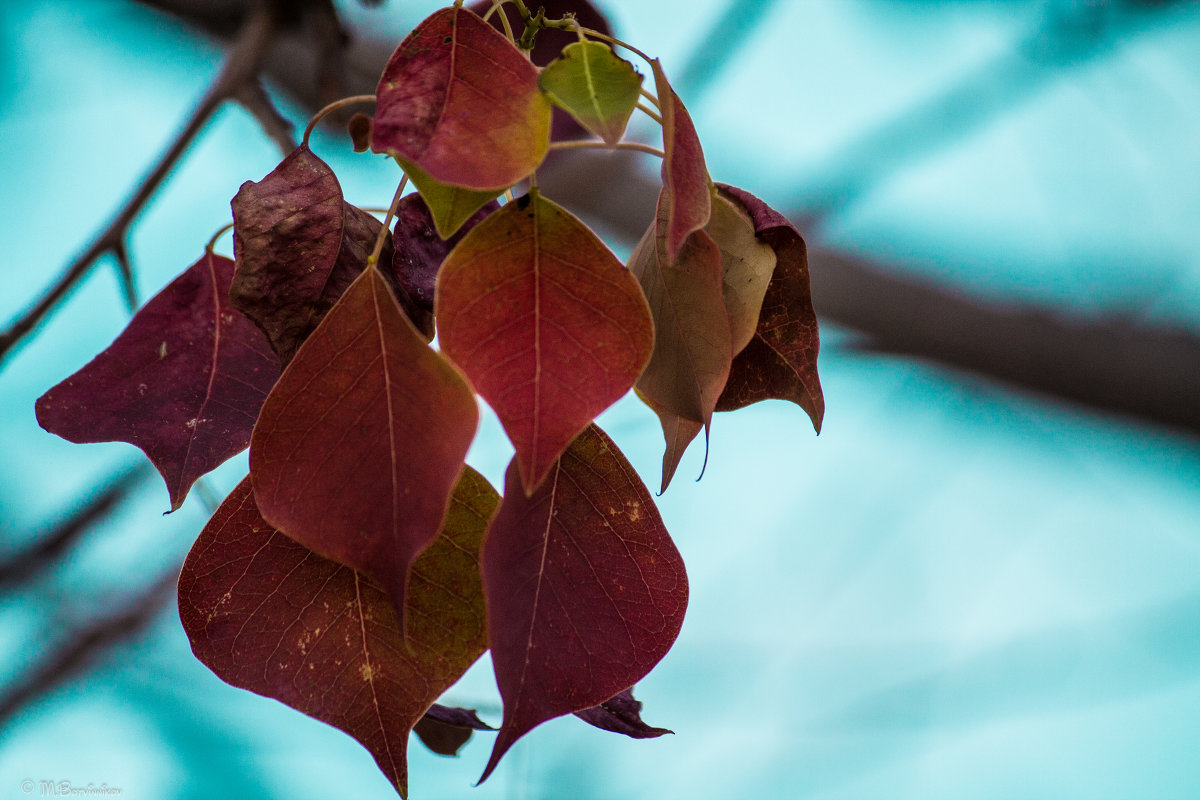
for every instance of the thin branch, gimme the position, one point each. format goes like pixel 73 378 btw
pixel 241 65
pixel 79 649
pixel 125 274
pixel 254 98
pixel 588 144
pixel 63 535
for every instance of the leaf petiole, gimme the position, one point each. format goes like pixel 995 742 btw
pixel 589 144
pixel 373 259
pixel 329 109
pixel 220 232
pixel 650 113
pixel 611 40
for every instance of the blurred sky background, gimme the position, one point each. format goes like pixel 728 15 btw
pixel 962 589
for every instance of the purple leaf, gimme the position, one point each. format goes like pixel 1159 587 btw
pixel 298 246
pixel 621 714
pixel 419 252
pixel 445 730
pixel 184 381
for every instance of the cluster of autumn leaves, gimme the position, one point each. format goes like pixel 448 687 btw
pixel 361 567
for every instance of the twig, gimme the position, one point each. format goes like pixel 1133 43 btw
pixel 80 648
pixel 241 65
pixel 254 98
pixel 48 547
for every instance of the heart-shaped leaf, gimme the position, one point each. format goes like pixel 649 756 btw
pixel 546 322
pixel 685 203
pixel 420 251
pixel 621 714
pixel 267 614
pixel 461 103
pixel 780 362
pixel 298 246
pixel 184 381
pixel 599 89
pixel 361 442
pixel 585 589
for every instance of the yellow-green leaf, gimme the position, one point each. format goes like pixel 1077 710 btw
pixel 747 264
pixel 450 206
pixel 595 86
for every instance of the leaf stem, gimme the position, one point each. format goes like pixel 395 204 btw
pixel 650 97
pixel 221 231
pixel 595 34
pixel 594 145
pixel 508 31
pixel 373 259
pixel 650 113
pixel 329 109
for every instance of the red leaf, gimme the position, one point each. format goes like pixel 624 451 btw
pixel 621 714
pixel 420 251
pixel 686 200
pixel 266 614
pixel 549 43
pixel 298 246
pixel 361 442
pixel 781 360
pixel 460 102
pixel 184 381
pixel 585 589
pixel 546 322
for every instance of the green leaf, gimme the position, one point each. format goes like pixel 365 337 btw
pixel 594 86
pixel 450 206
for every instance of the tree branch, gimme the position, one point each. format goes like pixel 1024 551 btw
pixel 240 66
pixel 79 648
pixel 63 535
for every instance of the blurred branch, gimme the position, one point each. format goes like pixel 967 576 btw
pixel 1070 39
pixel 48 547
pixel 80 648
pixel 241 66
pixel 1110 365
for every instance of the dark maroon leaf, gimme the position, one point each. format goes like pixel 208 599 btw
pixel 267 614
pixel 359 128
pixel 445 730
pixel 621 714
pixel 184 381
pixel 419 252
pixel 781 360
pixel 458 717
pixel 298 246
pixel 585 589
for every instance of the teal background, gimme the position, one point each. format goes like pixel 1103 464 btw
pixel 959 590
